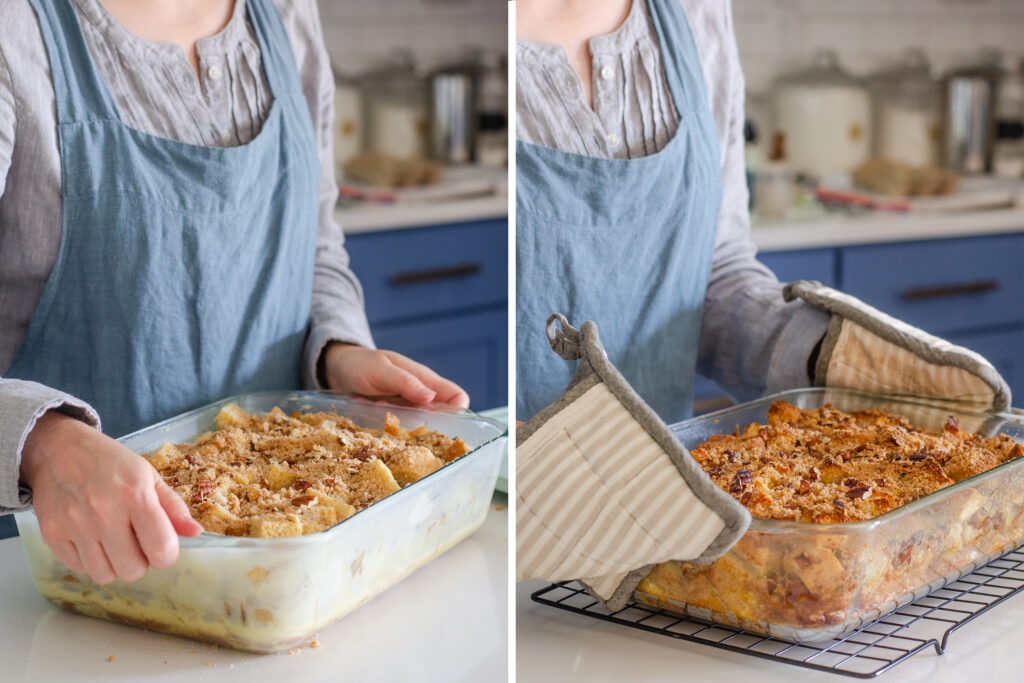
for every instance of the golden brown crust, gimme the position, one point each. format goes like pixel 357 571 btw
pixel 827 466
pixel 820 581
pixel 277 475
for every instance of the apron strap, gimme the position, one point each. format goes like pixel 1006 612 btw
pixel 275 49
pixel 567 342
pixel 79 89
pixel 679 55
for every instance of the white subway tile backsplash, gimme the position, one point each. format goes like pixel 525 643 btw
pixel 775 36
pixel 362 33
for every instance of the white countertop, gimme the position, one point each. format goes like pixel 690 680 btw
pixel 467 192
pixel 377 217
pixel 834 230
pixel 446 622
pixel 553 645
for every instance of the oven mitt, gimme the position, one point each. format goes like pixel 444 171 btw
pixel 868 350
pixel 604 491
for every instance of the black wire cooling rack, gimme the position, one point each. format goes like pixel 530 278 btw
pixel 871 650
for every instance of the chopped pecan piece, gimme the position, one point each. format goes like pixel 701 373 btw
pixel 735 486
pixel 202 489
pixel 918 457
pixel 364 454
pixel 859 493
pixel 952 424
pixel 299 501
pixel 301 485
pixel 839 504
pixel 744 475
pixel 731 456
pixel 745 498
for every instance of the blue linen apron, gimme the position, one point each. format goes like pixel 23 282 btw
pixel 185 272
pixel 625 243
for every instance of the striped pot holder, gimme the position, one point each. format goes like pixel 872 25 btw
pixel 868 350
pixel 604 490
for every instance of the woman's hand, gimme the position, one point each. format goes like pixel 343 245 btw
pixel 102 509
pixel 366 372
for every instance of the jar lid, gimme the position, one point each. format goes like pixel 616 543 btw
pixel 909 77
pixel 825 70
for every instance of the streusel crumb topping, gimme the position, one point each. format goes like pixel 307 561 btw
pixel 278 475
pixel 825 465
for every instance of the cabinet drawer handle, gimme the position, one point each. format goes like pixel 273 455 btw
pixel 448 273
pixel 945 291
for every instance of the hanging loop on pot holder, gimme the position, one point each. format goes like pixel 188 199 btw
pixel 566 340
pixel 604 490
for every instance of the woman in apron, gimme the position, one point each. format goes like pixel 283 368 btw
pixel 631 207
pixel 166 190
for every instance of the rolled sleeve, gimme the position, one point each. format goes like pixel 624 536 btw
pixel 22 403
pixel 751 341
pixel 337 311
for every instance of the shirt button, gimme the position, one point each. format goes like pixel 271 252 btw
pixel 607 72
pixel 613 139
pixel 213 73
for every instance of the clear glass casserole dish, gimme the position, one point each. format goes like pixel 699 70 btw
pixel 271 594
pixel 811 582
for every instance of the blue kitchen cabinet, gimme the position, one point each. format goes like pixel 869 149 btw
pixel 1005 350
pixel 439 294
pixel 803 264
pixel 967 290
pixel 471 349
pixel 942 286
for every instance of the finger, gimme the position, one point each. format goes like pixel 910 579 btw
pixel 177 511
pixel 123 552
pixel 154 532
pixel 95 562
pixel 445 390
pixel 391 379
pixel 66 552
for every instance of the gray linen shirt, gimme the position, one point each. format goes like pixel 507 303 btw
pixel 751 341
pixel 156 91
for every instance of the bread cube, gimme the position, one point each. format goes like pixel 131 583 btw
pixel 412 464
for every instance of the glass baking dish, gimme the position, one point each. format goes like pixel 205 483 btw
pixel 811 582
pixel 271 594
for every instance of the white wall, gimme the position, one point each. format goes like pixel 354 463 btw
pixel 360 33
pixel 776 35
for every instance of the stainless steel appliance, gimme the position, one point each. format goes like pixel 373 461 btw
pixel 452 126
pixel 968 118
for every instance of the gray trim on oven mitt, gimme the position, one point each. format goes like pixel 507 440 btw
pixel 596 372
pixel 879 337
